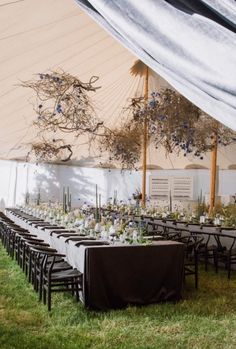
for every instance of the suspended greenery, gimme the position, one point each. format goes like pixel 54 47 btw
pixel 180 126
pixel 173 123
pixel 123 144
pixel 46 151
pixel 63 106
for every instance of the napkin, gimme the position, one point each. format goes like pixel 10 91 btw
pixel 92 243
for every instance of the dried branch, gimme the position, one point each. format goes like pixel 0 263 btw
pixel 63 105
pixel 50 151
pixel 178 125
pixel 173 122
pixel 123 145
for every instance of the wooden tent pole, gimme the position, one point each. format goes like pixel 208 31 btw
pixel 145 136
pixel 213 172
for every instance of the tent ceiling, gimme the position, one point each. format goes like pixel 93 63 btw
pixel 36 36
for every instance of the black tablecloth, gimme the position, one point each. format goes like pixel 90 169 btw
pixel 117 276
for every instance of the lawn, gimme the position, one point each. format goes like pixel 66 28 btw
pixel 203 319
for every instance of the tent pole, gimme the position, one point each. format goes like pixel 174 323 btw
pixel 145 136
pixel 213 172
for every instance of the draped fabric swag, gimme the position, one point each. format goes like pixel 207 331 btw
pixel 190 43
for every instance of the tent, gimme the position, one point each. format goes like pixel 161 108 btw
pixel 52 34
pixel 36 38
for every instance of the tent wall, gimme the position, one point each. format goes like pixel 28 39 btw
pixel 16 179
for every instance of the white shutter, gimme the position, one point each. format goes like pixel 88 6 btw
pixel 159 187
pixel 181 188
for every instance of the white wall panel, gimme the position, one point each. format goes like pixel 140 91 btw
pixel 16 178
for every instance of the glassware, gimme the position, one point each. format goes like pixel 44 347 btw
pixel 202 219
pixel 122 238
pixel 91 232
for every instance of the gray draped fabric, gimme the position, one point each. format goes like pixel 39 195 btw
pixel 190 43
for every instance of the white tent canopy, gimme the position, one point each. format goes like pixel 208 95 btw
pixel 51 34
pixel 57 35
pixel 190 43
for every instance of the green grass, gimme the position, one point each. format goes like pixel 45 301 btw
pixel 203 319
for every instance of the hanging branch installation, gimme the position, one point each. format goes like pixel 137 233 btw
pixel 55 150
pixel 123 144
pixel 173 123
pixel 183 127
pixel 63 106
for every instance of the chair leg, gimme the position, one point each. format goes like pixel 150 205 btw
pixel 72 286
pixel 23 259
pixel 44 296
pixel 76 289
pixel 30 268
pixel 196 270
pixel 41 286
pixel 229 265
pixel 78 284
pixel 13 249
pixel 49 298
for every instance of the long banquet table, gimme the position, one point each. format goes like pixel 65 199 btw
pixel 119 275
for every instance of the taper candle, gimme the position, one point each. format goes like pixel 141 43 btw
pixel 96 209
pixel 63 199
pixel 100 207
pixel 170 202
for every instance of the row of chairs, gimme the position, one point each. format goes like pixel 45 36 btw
pixel 43 266
pixel 218 245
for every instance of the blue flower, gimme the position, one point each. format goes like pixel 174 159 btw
pixel 59 110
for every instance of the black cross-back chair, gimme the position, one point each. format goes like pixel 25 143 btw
pixel 54 279
pixel 191 258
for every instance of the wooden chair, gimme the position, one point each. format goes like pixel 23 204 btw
pixel 54 279
pixel 192 243
pixel 226 252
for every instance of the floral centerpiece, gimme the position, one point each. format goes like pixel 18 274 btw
pixel 137 196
